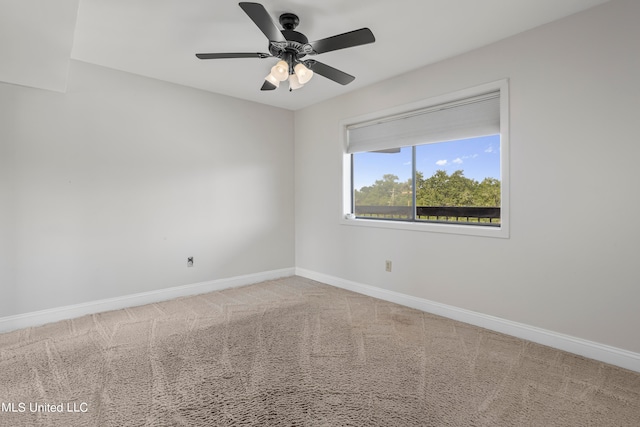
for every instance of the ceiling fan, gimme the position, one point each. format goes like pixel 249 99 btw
pixel 291 47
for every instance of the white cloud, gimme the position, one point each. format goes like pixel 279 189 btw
pixel 441 163
pixel 458 161
pixel 489 150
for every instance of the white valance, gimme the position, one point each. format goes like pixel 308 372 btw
pixel 466 118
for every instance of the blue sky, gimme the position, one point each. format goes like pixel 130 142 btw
pixel 479 158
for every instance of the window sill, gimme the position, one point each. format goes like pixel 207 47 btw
pixel 469 230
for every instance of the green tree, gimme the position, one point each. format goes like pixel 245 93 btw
pixel 385 192
pixel 488 193
pixel 441 189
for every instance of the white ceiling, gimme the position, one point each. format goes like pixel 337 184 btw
pixel 159 39
pixel 36 37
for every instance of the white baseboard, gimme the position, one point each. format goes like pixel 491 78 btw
pixel 37 318
pixel 593 350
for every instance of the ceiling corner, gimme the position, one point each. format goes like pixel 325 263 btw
pixel 36 41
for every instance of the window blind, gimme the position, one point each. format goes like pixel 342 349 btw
pixel 467 118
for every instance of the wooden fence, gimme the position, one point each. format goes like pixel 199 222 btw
pixel 437 213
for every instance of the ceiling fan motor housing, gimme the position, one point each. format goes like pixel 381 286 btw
pixel 297 44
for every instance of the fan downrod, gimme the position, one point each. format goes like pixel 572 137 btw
pixel 289 21
pixel 297 44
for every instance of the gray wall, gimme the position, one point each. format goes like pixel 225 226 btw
pixel 107 189
pixel 575 98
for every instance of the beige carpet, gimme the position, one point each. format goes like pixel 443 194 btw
pixel 294 352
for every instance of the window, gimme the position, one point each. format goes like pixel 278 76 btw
pixel 439 165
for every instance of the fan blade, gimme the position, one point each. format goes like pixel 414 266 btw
pixel 342 41
pixel 268 86
pixel 262 19
pixel 232 55
pixel 329 72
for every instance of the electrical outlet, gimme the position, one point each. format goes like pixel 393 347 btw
pixel 190 261
pixel 387 265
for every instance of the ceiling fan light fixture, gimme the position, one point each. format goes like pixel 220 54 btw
pixel 273 80
pixel 280 71
pixel 294 82
pixel 304 74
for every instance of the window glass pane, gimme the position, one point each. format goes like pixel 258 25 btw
pixel 382 184
pixel 438 165
pixel 459 181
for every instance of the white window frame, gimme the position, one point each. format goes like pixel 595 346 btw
pixel 502 231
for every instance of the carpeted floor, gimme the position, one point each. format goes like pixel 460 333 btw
pixel 294 352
